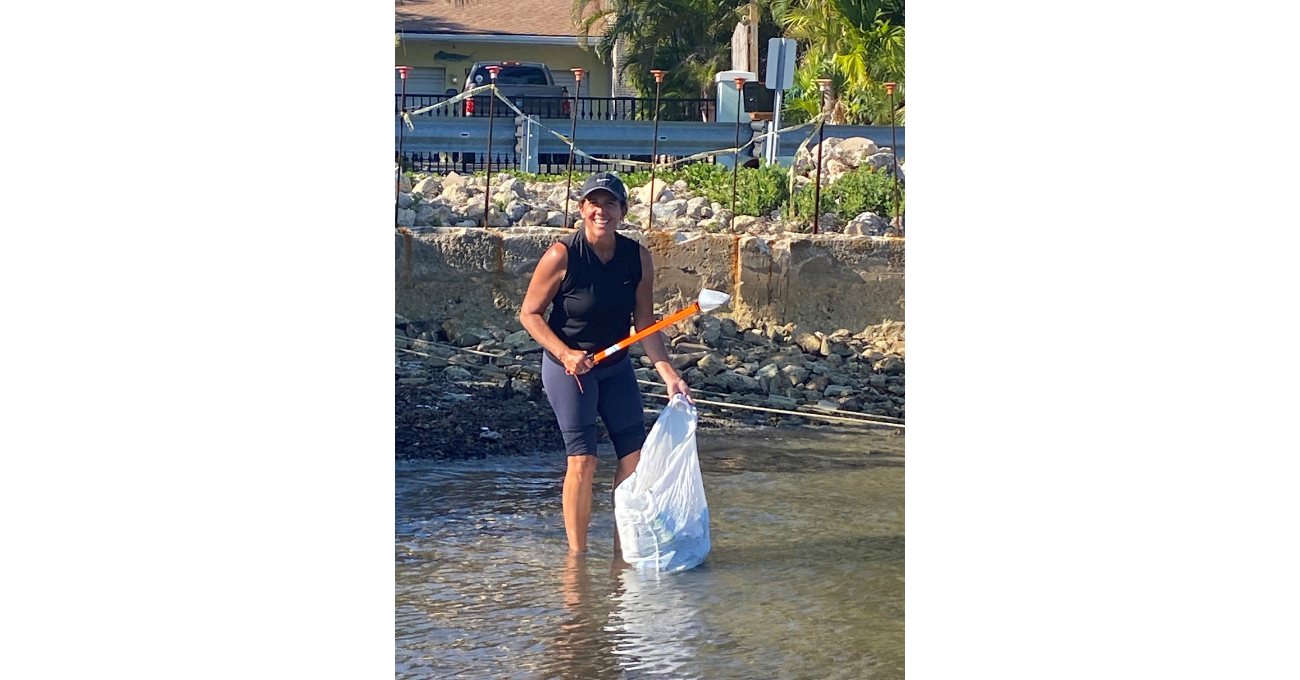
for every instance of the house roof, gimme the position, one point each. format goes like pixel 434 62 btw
pixel 488 17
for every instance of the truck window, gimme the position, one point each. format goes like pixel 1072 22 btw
pixel 521 75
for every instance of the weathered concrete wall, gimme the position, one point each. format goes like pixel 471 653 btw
pixel 820 282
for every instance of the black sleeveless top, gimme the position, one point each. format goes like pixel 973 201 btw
pixel 593 308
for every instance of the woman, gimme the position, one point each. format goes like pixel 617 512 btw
pixel 599 284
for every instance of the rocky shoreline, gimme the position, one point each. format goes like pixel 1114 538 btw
pixel 469 392
pixel 454 200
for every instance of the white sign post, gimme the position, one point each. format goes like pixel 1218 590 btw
pixel 780 77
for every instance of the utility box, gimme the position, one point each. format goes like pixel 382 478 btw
pixel 730 103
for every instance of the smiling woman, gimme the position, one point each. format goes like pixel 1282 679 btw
pixel 597 283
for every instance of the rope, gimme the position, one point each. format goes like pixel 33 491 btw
pixel 860 420
pixel 406 116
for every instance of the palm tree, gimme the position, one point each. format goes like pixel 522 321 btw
pixel 856 44
pixel 691 39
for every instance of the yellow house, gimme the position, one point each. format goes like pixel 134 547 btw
pixel 441 39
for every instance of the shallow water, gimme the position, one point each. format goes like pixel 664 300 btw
pixel 805 578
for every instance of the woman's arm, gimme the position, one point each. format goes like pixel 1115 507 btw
pixel 541 290
pixel 644 317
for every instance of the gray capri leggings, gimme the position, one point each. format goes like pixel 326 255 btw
pixel 610 391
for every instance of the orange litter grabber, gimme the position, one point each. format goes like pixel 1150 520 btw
pixel 708 301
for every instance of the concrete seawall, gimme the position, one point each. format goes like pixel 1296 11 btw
pixel 820 282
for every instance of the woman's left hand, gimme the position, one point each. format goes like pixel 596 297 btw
pixel 678 386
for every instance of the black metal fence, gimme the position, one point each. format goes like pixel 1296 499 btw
pixel 549 164
pixel 588 108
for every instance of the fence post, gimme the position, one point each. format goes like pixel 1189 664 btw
pixel 654 146
pixel 401 128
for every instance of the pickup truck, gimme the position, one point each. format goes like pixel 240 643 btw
pixel 529 85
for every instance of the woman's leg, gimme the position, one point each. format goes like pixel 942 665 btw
pixel 577 501
pixel 575 411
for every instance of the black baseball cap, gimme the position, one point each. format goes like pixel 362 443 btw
pixel 606 181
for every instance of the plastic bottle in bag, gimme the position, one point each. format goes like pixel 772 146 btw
pixel 660 509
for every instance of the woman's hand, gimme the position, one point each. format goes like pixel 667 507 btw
pixel 676 385
pixel 576 361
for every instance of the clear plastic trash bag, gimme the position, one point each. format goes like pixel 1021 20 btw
pixel 662 517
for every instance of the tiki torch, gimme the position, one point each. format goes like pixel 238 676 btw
pixel 573 133
pixel 401 124
pixel 487 192
pixel 654 144
pixel 893 147
pixel 825 85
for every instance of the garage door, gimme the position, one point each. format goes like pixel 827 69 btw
pixel 422 81
pixel 565 78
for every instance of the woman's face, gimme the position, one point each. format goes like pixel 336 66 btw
pixel 601 212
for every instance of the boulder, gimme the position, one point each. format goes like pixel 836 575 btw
pixel 646 195
pixel 857 148
pixel 808 342
pixel 698 208
pixel 403 182
pixel 428 187
pixel 712 364
pixel 515 211
pixel 879 162
pixel 452 180
pixel 405 218
pixel 731 381
pixel 669 209
pixel 456 373
pixel 866 224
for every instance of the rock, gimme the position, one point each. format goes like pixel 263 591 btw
pixel 681 361
pixel 828 405
pixel 515 211
pixel 516 339
pixel 534 218
pixel 456 373
pixel 876 380
pixel 644 194
pixel 900 390
pixel 710 225
pixel 835 391
pixel 835 167
pixel 669 209
pixel 698 208
pixel 458 194
pixel 879 161
pixel 770 378
pixel 730 329
pixel 471 337
pixel 856 148
pixel 866 224
pixel 711 364
pixel 742 223
pixel 834 360
pixel 428 187
pixel 452 180
pixel 555 218
pixel 733 382
pixel 890 366
pixel 776 401
pixel 404 200
pixel 795 375
pixel 405 218
pixel 680 186
pixel 491 435
pixel 808 342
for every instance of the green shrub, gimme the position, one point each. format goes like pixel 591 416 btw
pixel 861 190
